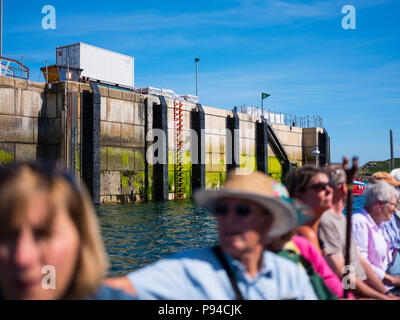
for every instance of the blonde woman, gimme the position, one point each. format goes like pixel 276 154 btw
pixel 50 244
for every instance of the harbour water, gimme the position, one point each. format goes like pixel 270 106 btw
pixel 140 233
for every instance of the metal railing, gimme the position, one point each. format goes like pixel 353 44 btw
pixel 13 68
pixel 168 94
pixel 290 119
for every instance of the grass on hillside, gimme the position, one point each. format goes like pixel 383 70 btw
pixel 368 168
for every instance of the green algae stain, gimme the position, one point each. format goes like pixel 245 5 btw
pixel 187 186
pixel 274 168
pixel 5 157
pixel 171 181
pixel 138 183
pixel 125 159
pixel 139 160
pixel 214 180
pixel 187 161
pixel 125 181
pixel 223 177
pixel 248 162
pixel 77 166
pixel 150 182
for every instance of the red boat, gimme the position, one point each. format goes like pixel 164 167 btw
pixel 358 188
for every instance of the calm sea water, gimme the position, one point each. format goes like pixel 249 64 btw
pixel 358 202
pixel 140 233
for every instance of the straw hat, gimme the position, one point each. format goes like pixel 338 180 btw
pixel 384 176
pixel 256 187
pixel 395 173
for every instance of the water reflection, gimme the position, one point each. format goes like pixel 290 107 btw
pixel 138 234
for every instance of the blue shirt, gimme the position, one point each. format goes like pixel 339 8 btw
pixel 392 231
pixel 198 275
pixel 107 293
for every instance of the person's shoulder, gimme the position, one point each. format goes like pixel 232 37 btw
pixel 285 270
pixel 359 218
pixel 177 262
pixel 108 293
pixel 292 279
pixel 186 259
pixel 303 244
pixel 306 232
pixel 300 240
pixel 328 216
pixel 281 264
pixel 193 254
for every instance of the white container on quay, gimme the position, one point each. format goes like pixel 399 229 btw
pixel 98 64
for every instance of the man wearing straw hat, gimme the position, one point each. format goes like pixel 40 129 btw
pixel 248 208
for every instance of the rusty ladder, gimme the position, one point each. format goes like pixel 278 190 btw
pixel 178 167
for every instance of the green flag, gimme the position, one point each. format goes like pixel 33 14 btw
pixel 264 95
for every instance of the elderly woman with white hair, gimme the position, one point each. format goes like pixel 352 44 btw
pixel 380 203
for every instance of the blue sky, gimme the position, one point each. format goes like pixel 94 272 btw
pixel 295 50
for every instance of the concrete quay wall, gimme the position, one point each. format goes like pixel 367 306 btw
pixel 42 122
pixel 30 121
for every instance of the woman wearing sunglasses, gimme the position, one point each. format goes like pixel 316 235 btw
pixel 311 186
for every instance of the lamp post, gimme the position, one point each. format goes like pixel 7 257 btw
pixel 316 154
pixel 197 70
pixel 391 151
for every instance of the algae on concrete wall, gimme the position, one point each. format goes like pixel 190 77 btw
pixel 132 186
pixel 5 157
pixel 274 168
pixel 187 173
pixel 248 163
pixel 129 162
pixel 214 180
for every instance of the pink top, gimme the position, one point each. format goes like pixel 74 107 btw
pixel 321 267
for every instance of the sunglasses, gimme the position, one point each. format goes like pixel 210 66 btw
pixel 319 186
pixel 241 210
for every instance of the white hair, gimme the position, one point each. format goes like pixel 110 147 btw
pixel 380 191
pixel 395 173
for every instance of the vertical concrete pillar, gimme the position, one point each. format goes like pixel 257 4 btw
pixel 324 148
pixel 90 140
pixel 262 145
pixel 328 148
pixel 149 103
pixel 160 168
pixel 74 143
pixel 232 141
pixel 69 118
pixel 197 124
pixel 62 97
